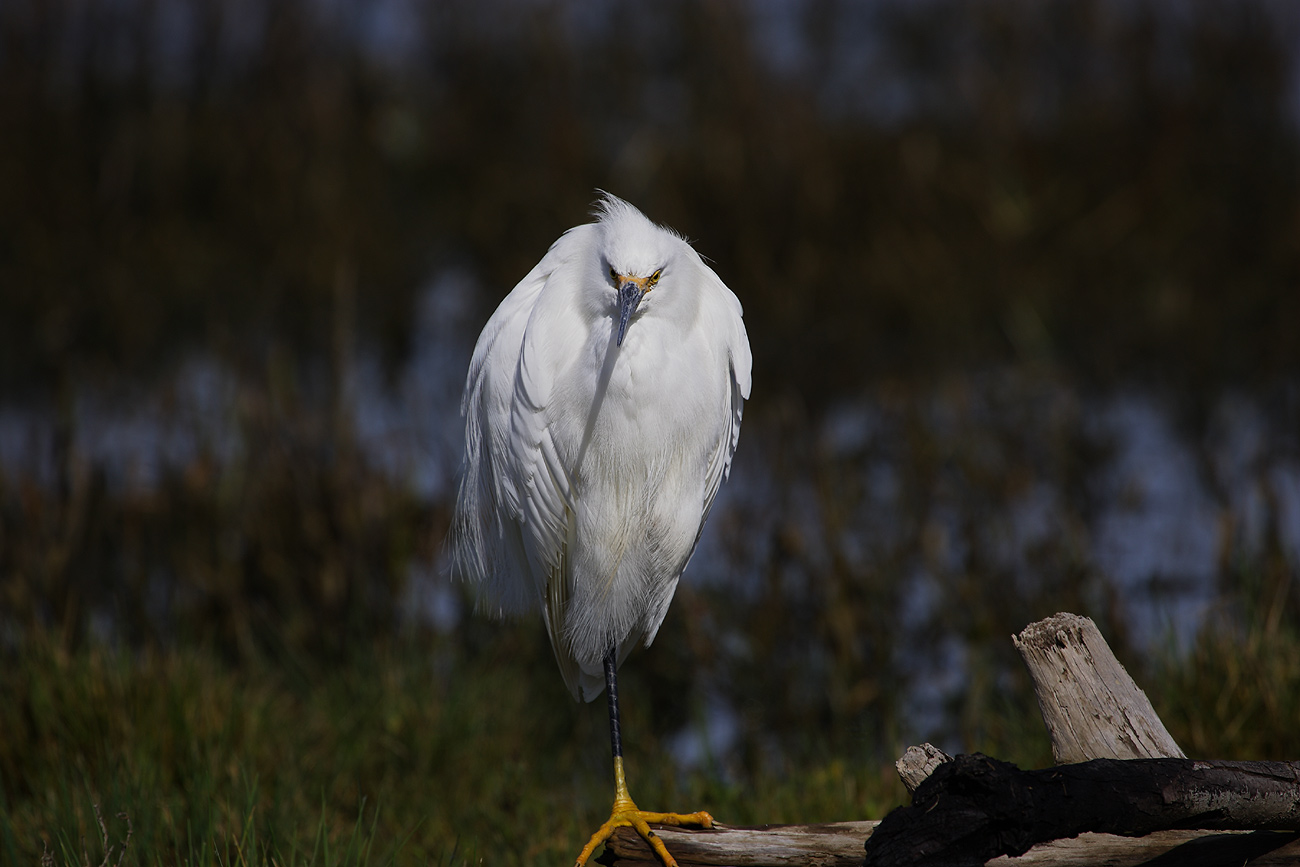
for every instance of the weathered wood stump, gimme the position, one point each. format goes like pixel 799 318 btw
pixel 1092 708
pixel 917 763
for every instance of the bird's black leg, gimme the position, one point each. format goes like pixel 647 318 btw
pixel 625 812
pixel 611 692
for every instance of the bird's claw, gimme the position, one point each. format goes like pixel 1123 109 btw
pixel 626 815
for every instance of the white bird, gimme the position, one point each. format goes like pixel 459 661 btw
pixel 602 410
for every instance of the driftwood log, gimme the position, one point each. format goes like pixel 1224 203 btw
pixel 1121 775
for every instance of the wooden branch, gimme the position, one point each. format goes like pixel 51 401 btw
pixel 1092 708
pixel 841 844
pixel 1164 849
pixel 831 845
pixel 975 808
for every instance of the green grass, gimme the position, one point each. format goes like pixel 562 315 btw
pixel 1236 693
pixel 222 765
pixel 420 751
pixel 465 749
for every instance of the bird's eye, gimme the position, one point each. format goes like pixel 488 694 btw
pixel 613 275
pixel 654 278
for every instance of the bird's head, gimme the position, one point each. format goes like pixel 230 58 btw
pixel 637 255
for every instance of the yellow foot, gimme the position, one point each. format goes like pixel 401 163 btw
pixel 626 814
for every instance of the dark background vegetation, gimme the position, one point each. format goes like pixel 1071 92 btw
pixel 911 199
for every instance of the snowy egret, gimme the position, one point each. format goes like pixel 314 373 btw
pixel 602 409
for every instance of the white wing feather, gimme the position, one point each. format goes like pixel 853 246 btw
pixel 740 361
pixel 728 322
pixel 546 507
pixel 487 546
